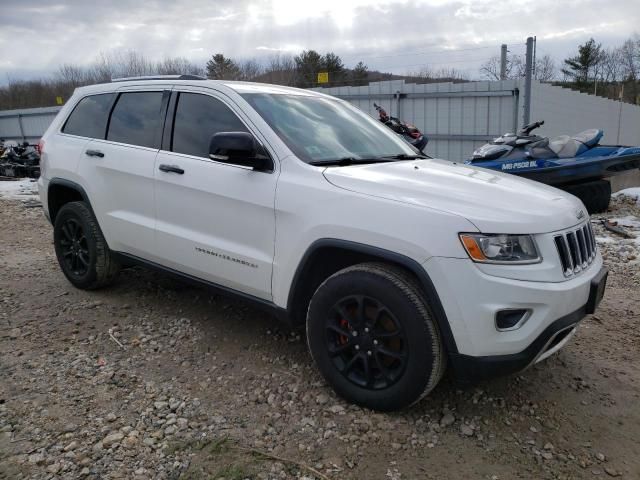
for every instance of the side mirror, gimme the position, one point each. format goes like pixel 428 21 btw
pixel 238 148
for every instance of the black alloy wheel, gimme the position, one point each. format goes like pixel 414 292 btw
pixel 74 247
pixel 366 342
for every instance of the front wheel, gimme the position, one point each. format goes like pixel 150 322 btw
pixel 373 337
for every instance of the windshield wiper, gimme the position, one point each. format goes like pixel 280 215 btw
pixel 345 161
pixel 404 156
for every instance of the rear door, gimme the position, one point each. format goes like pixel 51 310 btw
pixel 87 120
pixel 214 220
pixel 120 169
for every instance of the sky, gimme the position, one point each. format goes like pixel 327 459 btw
pixel 389 35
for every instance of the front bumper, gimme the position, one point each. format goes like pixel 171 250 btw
pixel 471 298
pixel 470 369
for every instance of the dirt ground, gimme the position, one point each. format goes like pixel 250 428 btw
pixel 152 378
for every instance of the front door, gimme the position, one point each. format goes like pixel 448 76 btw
pixel 215 221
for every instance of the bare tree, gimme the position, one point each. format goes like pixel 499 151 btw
pixel 250 70
pixel 491 68
pixel 630 58
pixel 611 65
pixel 546 70
pixel 280 70
pixel 74 75
pixel 178 66
pixel 427 74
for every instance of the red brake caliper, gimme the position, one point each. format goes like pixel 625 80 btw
pixel 342 339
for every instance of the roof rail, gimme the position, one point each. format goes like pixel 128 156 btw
pixel 159 77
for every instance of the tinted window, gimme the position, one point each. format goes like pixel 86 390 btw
pixel 89 118
pixel 198 117
pixel 136 119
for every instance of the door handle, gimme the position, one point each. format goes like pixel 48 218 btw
pixel 94 153
pixel 171 169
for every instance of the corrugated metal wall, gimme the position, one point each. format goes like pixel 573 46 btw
pixel 27 124
pixel 460 117
pixel 457 117
pixel 568 112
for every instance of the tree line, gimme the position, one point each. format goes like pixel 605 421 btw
pixel 611 72
pixel 292 70
pixel 299 70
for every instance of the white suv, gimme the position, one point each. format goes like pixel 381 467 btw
pixel 397 264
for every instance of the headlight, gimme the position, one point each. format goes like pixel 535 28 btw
pixel 498 248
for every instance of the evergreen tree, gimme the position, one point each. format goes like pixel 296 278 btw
pixel 308 64
pixel 332 63
pixel 359 74
pixel 585 64
pixel 222 68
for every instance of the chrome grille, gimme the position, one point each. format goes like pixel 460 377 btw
pixel 577 249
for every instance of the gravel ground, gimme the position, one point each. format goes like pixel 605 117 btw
pixel 151 378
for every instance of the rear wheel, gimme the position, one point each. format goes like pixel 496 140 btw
pixel 595 195
pixel 82 252
pixel 373 338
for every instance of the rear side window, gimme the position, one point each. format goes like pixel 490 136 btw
pixel 197 118
pixel 89 117
pixel 136 119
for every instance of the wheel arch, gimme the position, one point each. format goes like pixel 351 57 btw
pixel 326 256
pixel 61 191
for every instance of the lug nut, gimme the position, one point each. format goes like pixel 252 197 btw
pixel 375 342
pixel 357 347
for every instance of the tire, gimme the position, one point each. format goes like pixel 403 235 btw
pixel 82 252
pixel 595 195
pixel 368 303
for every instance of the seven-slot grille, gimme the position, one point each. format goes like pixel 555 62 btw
pixel 577 249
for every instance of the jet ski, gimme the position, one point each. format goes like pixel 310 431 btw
pixel 577 164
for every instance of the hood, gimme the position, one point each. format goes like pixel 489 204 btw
pixel 494 202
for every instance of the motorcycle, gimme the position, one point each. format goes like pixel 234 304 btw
pixel 407 131
pixel 577 164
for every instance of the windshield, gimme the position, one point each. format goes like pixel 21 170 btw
pixel 319 129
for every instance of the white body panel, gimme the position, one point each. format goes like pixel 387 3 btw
pixel 121 189
pixel 216 222
pixel 250 230
pixel 471 298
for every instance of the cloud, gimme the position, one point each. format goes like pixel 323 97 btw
pixel 40 35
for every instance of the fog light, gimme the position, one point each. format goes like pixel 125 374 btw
pixel 511 319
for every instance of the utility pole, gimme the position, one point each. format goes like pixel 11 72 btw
pixel 503 62
pixel 526 117
pixel 535 50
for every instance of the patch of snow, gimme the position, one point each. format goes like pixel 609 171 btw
pixel 25 189
pixel 606 239
pixel 629 221
pixel 633 192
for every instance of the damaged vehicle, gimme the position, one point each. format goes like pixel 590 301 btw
pixel 397 266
